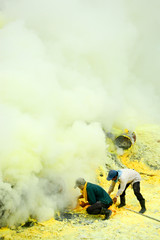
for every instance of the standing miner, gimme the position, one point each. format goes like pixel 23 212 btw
pixel 125 178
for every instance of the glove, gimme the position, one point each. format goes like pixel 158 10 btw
pixel 114 199
pixel 83 204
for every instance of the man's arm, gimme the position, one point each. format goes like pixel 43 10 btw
pixel 91 196
pixel 120 191
pixel 111 188
pixel 123 184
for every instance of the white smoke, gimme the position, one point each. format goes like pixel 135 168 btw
pixel 68 69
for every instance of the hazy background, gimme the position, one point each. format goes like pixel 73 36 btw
pixel 68 69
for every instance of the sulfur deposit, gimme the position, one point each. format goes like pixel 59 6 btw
pixel 74 223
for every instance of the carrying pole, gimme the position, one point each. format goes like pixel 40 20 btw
pixel 142 214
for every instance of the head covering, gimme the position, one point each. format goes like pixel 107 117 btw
pixel 79 182
pixel 111 174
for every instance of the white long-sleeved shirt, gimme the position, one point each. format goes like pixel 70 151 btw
pixel 127 176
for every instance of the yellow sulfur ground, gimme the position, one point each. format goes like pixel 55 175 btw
pixel 123 224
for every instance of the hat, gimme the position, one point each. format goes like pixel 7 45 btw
pixel 79 182
pixel 111 174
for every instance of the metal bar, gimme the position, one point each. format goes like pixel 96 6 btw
pixel 151 175
pixel 142 214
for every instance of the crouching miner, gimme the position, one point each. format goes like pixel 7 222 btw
pixel 95 196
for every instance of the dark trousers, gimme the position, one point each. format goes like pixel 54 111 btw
pixel 136 189
pixel 97 207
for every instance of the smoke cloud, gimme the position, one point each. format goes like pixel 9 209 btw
pixel 68 69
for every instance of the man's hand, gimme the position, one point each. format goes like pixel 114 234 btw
pixel 114 199
pixel 83 204
pixel 81 196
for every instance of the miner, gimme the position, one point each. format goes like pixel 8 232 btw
pixel 97 199
pixel 125 177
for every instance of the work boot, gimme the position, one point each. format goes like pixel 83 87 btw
pixel 122 202
pixel 106 212
pixel 143 208
pixel 121 205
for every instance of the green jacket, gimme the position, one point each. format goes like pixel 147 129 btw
pixel 97 193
